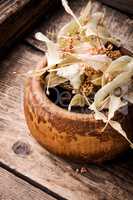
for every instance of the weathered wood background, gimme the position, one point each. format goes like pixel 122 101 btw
pixel 125 6
pixel 15 188
pixel 18 16
pixel 21 153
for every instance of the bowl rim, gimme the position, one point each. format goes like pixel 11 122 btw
pixel 51 107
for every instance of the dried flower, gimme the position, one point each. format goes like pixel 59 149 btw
pixel 86 60
pixel 87 87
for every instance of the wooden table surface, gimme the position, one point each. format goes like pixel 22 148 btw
pixel 28 171
pixel 17 16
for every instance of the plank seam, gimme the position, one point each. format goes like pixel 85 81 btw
pixel 32 182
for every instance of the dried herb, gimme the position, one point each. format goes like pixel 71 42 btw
pixel 87 62
pixel 77 100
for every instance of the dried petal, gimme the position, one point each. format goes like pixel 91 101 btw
pixel 114 105
pixel 54 80
pixel 107 89
pixel 98 62
pixel 97 81
pixel 115 125
pixel 87 11
pixel 119 65
pixel 53 53
pixel 69 11
pixel 77 100
pixel 118 128
pixel 72 73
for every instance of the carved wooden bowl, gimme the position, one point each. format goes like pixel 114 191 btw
pixel 71 135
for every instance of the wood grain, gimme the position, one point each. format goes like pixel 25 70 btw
pixel 12 187
pixel 39 165
pixel 125 6
pixel 17 16
pixel 110 181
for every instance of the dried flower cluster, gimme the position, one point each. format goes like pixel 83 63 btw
pixel 87 60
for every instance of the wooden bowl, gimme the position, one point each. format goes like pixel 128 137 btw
pixel 71 135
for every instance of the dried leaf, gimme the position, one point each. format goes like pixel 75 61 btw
pixel 72 27
pixel 97 81
pixel 105 104
pixel 87 11
pixel 107 89
pixel 115 125
pixel 53 80
pixel 53 53
pixel 118 128
pixel 98 115
pixel 82 48
pixel 69 60
pixel 98 62
pixel 91 26
pixel 69 11
pixel 117 66
pixel 94 27
pixel 37 72
pixel 68 29
pixel 77 100
pixel 114 105
pixel 72 73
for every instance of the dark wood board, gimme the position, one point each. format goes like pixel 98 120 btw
pixel 110 181
pixel 17 16
pixel 119 24
pixel 125 6
pixel 12 187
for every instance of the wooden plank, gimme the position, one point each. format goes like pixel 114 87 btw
pixel 125 6
pixel 17 16
pixel 39 165
pixel 21 152
pixel 12 187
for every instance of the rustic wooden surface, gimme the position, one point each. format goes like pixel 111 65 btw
pixel 125 6
pixel 12 187
pixel 17 16
pixel 21 153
